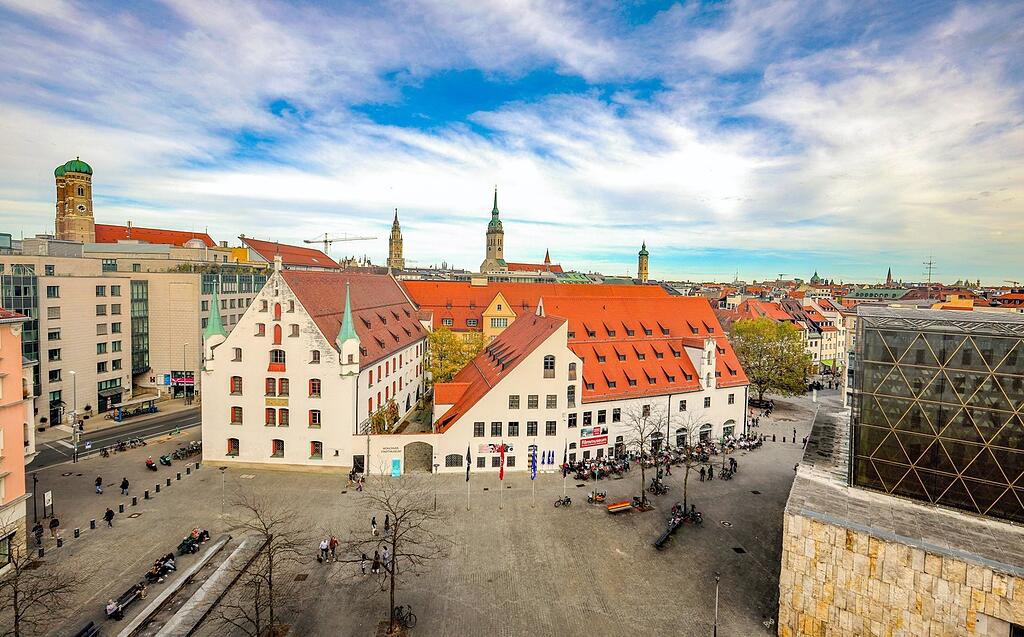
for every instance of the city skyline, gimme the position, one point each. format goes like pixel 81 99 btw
pixel 755 144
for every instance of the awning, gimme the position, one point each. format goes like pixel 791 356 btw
pixel 114 391
pixel 137 401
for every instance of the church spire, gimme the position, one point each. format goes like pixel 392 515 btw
pixel 494 210
pixel 214 325
pixel 547 257
pixel 348 328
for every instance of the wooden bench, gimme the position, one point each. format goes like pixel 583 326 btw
pixel 137 591
pixel 618 507
pixel 91 630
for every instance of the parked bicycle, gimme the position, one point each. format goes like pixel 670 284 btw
pixel 563 502
pixel 404 616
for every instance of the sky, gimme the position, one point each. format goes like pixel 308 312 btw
pixel 752 138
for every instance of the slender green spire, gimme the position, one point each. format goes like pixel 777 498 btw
pixel 348 328
pixel 214 326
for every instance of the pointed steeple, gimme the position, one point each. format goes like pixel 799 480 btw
pixel 214 325
pixel 348 328
pixel 395 222
pixel 494 210
pixel 547 257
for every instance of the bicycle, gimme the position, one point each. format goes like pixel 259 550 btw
pixel 404 616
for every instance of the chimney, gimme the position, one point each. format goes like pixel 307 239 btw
pixel 129 234
pixel 223 244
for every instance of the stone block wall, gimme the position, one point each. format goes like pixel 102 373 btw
pixel 838 581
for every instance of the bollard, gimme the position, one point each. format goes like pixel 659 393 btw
pixel 179 475
pixel 78 533
pixel 145 496
pixel 40 551
pixel 120 508
pixel 60 541
pixel 158 488
pixel 92 524
pixel 135 500
pixel 168 482
pixel 188 471
pixel 197 466
pixel 773 437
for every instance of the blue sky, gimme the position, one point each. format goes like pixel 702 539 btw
pixel 750 137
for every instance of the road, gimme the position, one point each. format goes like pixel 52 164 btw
pixel 59 451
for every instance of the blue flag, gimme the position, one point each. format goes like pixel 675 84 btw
pixel 469 461
pixel 565 460
pixel 533 463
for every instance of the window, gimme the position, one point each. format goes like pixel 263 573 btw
pixel 232 446
pixel 282 387
pixel 314 388
pixel 447 322
pixel 551 402
pixel 53 335
pixel 283 419
pixel 732 399
pixel 294 330
pixel 588 418
pixel 314 418
pixel 510 461
pixel 499 322
pixel 54 375
pixel 54 354
pixel 270 387
pixel 616 415
pixel 550 428
pixel 472 322
pixel 707 402
pixel 270 417
pixel 238 354
pixel 101 348
pixel 481 462
pixel 277 448
pixel 531 428
pixel 101 310
pixel 495 429
pixel 101 367
pixel 81 191
pixel 572 420
pixel 263 305
pixel 495 461
pixel 236 385
pixel 645 411
pixel 549 366
pixel 115 290
pixel 53 291
pixel 101 329
pixel 277 335
pixel 236 415
pixel 115 346
pixel 602 416
pixel 513 401
pixel 53 313
pixel 532 401
pixel 513 429
pixel 478 430
pixel 261 329
pixel 682 405
pixel 115 308
pixel 570 396
pixel 115 328
pixel 55 396
pixel 136 267
pixel 572 371
pixel 277 311
pixel 453 460
pixel 49 270
pixel 314 359
pixel 101 290
pixel 109 265
pixel 277 360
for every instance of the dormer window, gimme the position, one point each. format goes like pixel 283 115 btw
pixel 622 357
pixel 600 358
pixel 632 382
pixel 648 332
pixel 591 334
pixel 630 332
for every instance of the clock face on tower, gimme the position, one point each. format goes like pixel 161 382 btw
pixel 81 208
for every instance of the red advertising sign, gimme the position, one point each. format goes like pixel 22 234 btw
pixel 593 442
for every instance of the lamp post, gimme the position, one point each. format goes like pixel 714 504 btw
pixel 718 576
pixel 35 489
pixel 222 490
pixel 75 434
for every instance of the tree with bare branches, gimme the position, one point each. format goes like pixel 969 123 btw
pixel 690 420
pixel 257 599
pixel 34 593
pixel 413 538
pixel 642 423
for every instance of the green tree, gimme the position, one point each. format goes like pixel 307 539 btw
pixel 449 352
pixel 772 355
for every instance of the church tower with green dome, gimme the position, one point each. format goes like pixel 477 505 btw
pixel 495 259
pixel 74 202
pixel 641 266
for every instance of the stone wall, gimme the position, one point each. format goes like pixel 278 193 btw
pixel 838 581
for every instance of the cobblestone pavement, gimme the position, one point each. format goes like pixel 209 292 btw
pixel 513 571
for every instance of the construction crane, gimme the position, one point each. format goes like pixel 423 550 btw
pixel 328 240
pixel 1015 284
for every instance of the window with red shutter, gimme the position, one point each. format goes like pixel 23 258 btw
pixel 236 415
pixel 270 387
pixel 282 387
pixel 277 335
pixel 270 415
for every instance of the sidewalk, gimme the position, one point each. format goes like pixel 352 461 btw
pixel 98 423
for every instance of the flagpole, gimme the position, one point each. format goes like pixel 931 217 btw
pixel 467 495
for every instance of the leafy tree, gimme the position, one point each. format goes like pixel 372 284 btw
pixel 772 355
pixel 449 352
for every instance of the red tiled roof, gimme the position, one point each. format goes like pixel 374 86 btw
pixel 449 393
pixel 106 233
pixel 533 267
pixel 461 301
pixel 10 316
pixel 755 308
pixel 497 360
pixel 290 255
pixel 384 318
pixel 675 323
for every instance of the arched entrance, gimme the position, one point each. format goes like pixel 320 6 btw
pixel 729 428
pixel 705 432
pixel 656 439
pixel 681 437
pixel 418 457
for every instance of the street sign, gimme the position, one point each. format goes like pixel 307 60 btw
pixel 48 499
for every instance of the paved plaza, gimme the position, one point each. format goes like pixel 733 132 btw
pixel 516 570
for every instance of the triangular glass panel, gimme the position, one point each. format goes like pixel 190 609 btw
pixel 891 451
pixel 997 349
pixel 874 373
pixel 894 384
pixel 968 357
pixel 912 487
pixel 893 408
pixel 918 378
pixel 985 467
pixel 957 496
pixel 985 494
pixel 961 454
pixel 989 395
pixel 961 427
pixel 916 420
pixel 940 390
pixel 864 474
pixel 989 423
pixel 935 483
pixel 897 342
pixel 891 474
pixel 943 345
pixel 969 384
pixel 1013 362
pixel 914 444
pixel 919 354
pixel 875 348
pixel 1011 462
pixel 1009 507
pixel 1013 388
pixel 935 458
pixel 869 439
pixel 1011 435
pixel 871 412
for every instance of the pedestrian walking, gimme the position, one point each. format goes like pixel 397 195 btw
pixel 99 485
pixel 375 567
pixel 54 527
pixel 711 472
pixel 794 434
pixel 322 557
pixel 109 517
pixel 359 484
pixel 386 557
pixel 362 564
pixel 124 486
pixel 702 473
pixel 795 466
pixel 333 545
pixel 37 531
pixel 387 523
pixel 668 468
pixel 373 524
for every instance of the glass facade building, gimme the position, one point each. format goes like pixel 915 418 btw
pixel 140 326
pixel 20 293
pixel 938 410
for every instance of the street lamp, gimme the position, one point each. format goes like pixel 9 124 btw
pixel 718 576
pixel 74 414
